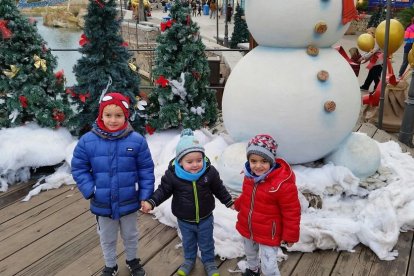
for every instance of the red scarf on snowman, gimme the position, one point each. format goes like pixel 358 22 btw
pixel 349 11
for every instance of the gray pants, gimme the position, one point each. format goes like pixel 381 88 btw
pixel 263 256
pixel 108 234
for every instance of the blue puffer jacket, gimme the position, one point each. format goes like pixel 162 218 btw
pixel 116 174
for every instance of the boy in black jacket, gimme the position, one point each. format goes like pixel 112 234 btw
pixel 193 182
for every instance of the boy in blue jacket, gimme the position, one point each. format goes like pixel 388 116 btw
pixel 113 168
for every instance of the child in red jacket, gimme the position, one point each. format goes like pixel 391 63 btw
pixel 269 209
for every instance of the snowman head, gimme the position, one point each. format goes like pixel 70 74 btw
pixel 295 23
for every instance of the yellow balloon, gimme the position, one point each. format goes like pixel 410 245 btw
pixel 396 37
pixel 411 58
pixel 366 42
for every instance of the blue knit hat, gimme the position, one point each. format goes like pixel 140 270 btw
pixel 188 143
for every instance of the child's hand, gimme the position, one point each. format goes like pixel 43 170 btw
pixel 146 206
pixel 287 244
pixel 232 207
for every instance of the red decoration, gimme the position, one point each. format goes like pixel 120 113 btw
pixel 125 44
pixel 99 4
pixel 84 40
pixel 71 92
pixel 149 129
pixel 44 48
pixel 58 115
pixel 165 25
pixel 196 75
pixel 83 97
pixel 5 32
pixel 23 101
pixel 162 81
pixel 349 12
pixel 60 76
pixel 188 20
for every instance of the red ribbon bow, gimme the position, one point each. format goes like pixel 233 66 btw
pixel 58 115
pixel 5 32
pixel 165 25
pixel 99 4
pixel 84 40
pixel 83 97
pixel 149 129
pixel 23 101
pixel 59 76
pixel 162 81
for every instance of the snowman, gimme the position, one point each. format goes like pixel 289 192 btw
pixel 294 85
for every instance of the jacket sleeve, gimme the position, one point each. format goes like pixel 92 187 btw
pixel 218 188
pixel 163 192
pixel 290 209
pixel 81 170
pixel 145 167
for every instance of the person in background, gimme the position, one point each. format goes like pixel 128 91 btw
pixel 269 208
pixel 193 183
pixel 229 13
pixel 113 169
pixel 375 59
pixel 213 9
pixel 408 39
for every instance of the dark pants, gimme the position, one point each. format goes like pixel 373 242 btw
pixel 198 235
pixel 403 65
pixel 373 75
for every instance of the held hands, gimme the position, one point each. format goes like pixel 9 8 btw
pixel 145 207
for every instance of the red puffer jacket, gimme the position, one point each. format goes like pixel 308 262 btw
pixel 269 211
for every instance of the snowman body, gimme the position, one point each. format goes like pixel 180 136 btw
pixel 275 88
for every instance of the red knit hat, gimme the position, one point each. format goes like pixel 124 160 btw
pixel 117 99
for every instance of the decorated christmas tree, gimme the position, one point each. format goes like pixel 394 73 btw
pixel 29 89
pixel 181 97
pixel 240 31
pixel 104 67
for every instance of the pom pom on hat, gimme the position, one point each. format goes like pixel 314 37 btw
pixel 263 145
pixel 188 143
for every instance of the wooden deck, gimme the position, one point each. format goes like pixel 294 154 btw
pixel 55 234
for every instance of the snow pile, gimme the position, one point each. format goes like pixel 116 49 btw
pixel 28 147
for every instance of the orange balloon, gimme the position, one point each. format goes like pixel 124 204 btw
pixel 396 37
pixel 366 42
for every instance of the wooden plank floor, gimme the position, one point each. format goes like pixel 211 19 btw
pixel 55 234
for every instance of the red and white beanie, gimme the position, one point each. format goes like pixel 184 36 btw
pixel 117 99
pixel 263 145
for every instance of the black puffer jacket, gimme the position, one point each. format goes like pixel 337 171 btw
pixel 191 201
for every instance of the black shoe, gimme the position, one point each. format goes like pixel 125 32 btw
pixel 135 267
pixel 363 88
pixel 249 272
pixel 110 271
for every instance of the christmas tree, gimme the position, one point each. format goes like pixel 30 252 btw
pixel 240 31
pixel 29 89
pixel 104 67
pixel 181 97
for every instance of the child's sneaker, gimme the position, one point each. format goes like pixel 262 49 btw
pixel 135 267
pixel 110 271
pixel 186 268
pixel 211 269
pixel 249 272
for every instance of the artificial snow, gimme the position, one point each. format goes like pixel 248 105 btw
pixel 371 211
